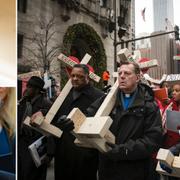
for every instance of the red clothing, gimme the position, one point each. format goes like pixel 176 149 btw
pixel 159 105
pixel 105 76
pixel 171 138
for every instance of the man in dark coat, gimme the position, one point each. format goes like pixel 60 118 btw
pixel 33 101
pixel 73 162
pixel 136 126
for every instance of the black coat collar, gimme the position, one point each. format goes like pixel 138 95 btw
pixel 144 93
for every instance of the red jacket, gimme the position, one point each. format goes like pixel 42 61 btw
pixel 171 138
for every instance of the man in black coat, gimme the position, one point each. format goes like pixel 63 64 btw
pixel 33 101
pixel 137 129
pixel 136 126
pixel 73 162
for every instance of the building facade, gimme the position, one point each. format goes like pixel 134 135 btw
pixel 162 48
pixel 163 15
pixel 75 27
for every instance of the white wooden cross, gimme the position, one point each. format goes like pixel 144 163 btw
pixel 177 57
pixel 29 74
pixel 156 81
pixel 125 55
pixel 173 77
pixel 173 162
pixel 43 123
pixel 94 131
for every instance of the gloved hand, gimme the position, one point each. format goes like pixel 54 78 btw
pixel 175 150
pixel 47 160
pixel 117 152
pixel 165 168
pixel 65 124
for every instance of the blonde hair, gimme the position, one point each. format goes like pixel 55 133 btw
pixel 8 111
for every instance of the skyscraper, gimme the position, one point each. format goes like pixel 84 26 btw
pixel 163 15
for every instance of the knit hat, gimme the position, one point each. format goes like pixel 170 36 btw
pixel 36 81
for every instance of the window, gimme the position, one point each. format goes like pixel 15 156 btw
pixel 20 45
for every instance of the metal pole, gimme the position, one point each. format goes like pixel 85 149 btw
pixel 115 38
pixel 144 37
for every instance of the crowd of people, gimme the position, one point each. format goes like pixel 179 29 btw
pixel 139 127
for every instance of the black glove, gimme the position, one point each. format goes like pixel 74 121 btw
pixel 65 124
pixel 117 152
pixel 165 168
pixel 47 160
pixel 175 150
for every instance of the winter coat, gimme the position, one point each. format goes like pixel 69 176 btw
pixel 71 161
pixel 26 136
pixel 138 133
pixel 172 138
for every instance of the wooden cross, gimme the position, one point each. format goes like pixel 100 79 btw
pixel 173 162
pixel 156 81
pixel 43 123
pixel 148 64
pixel 125 55
pixel 94 131
pixel 177 57
pixel 173 77
pixel 29 74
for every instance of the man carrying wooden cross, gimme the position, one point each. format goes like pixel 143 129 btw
pixel 33 101
pixel 72 162
pixel 136 126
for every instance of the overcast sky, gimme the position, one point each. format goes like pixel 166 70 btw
pixel 147 25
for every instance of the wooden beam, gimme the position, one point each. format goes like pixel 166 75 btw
pixel 148 64
pixel 173 162
pixel 44 123
pixel 29 74
pixel 96 129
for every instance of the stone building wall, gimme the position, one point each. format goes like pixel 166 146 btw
pixel 89 12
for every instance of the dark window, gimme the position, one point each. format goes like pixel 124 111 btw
pixel 103 3
pixel 22 6
pixel 20 45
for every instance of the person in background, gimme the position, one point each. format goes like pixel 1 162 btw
pixel 105 78
pixel 34 100
pixel 7 132
pixel 172 140
pixel 165 84
pixel 161 104
pixel 55 91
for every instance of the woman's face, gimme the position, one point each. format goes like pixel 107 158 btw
pixel 176 92
pixel 3 92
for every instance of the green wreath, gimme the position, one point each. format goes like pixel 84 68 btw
pixel 95 47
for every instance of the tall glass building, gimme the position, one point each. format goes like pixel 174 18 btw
pixel 163 15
